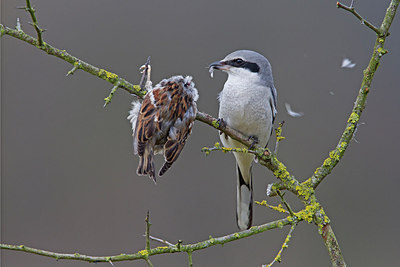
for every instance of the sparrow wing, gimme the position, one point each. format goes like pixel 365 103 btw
pixel 174 145
pixel 148 125
pixel 181 110
pixel 149 120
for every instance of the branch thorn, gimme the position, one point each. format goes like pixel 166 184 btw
pixel 77 65
pixel 18 26
pixel 162 241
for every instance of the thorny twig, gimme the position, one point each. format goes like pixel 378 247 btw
pixel 352 10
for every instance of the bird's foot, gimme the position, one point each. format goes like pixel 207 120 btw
pixel 254 141
pixel 145 70
pixel 142 68
pixel 221 124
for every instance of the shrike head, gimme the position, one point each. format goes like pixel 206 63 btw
pixel 245 64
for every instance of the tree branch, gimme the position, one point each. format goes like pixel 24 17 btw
pixel 145 254
pixel 313 211
pixel 208 119
pixel 62 54
pixel 190 258
pixel 332 246
pixel 359 105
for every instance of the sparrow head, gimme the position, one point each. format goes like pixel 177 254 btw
pixel 245 64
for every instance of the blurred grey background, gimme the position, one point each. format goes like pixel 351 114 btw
pixel 68 181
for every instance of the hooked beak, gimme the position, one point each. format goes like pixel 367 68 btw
pixel 219 65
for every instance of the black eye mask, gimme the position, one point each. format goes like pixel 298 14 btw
pixel 240 63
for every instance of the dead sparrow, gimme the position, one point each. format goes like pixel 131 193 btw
pixel 163 122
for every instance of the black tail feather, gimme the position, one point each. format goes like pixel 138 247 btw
pixel 164 168
pixel 244 210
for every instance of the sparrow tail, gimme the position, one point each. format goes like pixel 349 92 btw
pixel 146 165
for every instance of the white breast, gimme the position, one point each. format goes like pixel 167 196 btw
pixel 245 106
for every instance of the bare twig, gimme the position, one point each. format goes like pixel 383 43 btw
pixel 149 262
pixel 147 235
pixel 110 96
pixel 148 224
pixel 285 203
pixel 35 24
pixel 352 10
pixel 285 245
pixel 143 254
pixel 190 259
pixel 276 208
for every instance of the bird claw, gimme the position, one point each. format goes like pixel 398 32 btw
pixel 145 81
pixel 146 70
pixel 222 124
pixel 254 141
pixel 142 68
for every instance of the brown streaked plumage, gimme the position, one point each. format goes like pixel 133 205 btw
pixel 163 122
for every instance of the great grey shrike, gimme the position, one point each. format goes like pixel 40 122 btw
pixel 248 105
